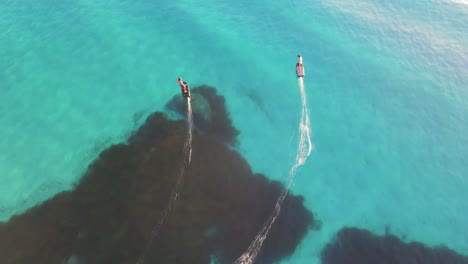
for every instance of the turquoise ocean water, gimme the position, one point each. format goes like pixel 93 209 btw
pixel 386 85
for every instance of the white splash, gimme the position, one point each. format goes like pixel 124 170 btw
pixel 303 151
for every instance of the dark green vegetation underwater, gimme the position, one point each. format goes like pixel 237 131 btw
pixel 358 246
pixel 110 215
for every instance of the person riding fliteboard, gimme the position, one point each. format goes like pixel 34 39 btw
pixel 299 67
pixel 184 87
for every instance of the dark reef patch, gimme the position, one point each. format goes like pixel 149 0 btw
pixel 109 216
pixel 209 113
pixel 359 246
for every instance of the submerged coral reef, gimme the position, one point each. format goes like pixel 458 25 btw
pixel 109 216
pixel 359 246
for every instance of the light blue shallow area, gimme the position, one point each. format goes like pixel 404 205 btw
pixel 386 85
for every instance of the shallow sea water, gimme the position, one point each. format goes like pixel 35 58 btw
pixel 386 86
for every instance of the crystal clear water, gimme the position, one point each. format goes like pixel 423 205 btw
pixel 386 84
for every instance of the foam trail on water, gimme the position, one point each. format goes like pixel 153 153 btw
pixel 303 151
pixel 188 141
pixel 187 158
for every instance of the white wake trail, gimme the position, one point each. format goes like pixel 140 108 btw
pixel 303 151
pixel 188 141
pixel 187 158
